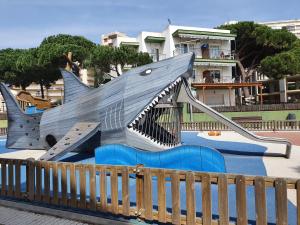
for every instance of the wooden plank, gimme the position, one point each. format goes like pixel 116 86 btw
pixel 190 198
pixel 260 201
pixel 125 192
pixel 223 199
pixel 114 190
pixel 10 190
pixel 161 191
pixel 82 174
pixel 103 196
pixel 18 179
pixel 148 204
pixel 46 194
pixel 73 187
pixel 55 183
pixel 92 173
pixel 139 192
pixel 175 184
pixel 241 202
pixel 281 201
pixel 298 202
pixel 206 199
pixel 31 180
pixel 3 177
pixel 38 191
pixel 64 182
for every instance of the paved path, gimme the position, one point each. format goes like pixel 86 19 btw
pixel 293 136
pixel 9 216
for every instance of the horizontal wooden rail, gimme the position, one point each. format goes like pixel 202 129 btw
pixel 269 125
pixel 84 186
pixel 253 108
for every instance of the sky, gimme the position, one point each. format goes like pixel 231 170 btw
pixel 24 23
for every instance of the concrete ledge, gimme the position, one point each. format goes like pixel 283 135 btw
pixel 61 213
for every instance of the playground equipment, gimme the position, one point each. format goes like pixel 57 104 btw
pixel 128 110
pixel 25 99
pixel 185 157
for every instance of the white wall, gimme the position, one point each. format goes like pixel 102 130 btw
pixel 210 95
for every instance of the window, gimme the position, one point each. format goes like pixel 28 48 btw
pixel 184 48
pixel 215 74
pixel 215 52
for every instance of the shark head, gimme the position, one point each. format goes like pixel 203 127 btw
pixel 151 110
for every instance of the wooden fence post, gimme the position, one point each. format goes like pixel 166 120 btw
pixel 260 201
pixel 175 185
pixel 18 179
pixel 139 191
pixel 223 199
pixel 73 185
pixel 64 182
pixel 190 198
pixel 92 187
pixel 206 199
pixel 82 180
pixel 55 183
pixel 31 180
pixel 125 192
pixel 114 190
pixel 148 205
pixel 103 196
pixel 10 191
pixel 281 201
pixel 3 177
pixel 241 202
pixel 161 191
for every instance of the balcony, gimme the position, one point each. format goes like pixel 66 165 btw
pixel 221 83
pixel 207 53
pixel 157 57
pixel 214 80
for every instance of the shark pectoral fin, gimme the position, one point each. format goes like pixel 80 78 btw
pixel 73 87
pixel 82 135
pixel 23 129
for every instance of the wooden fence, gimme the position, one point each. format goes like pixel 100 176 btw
pixel 270 125
pixel 82 186
pixel 252 108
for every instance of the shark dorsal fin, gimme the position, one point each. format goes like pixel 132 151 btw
pixel 73 87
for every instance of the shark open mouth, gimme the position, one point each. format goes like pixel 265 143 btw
pixel 159 122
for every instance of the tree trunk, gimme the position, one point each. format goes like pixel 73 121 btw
pixel 244 76
pixel 42 90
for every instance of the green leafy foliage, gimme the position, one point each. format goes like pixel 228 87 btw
pixel 282 64
pixel 40 65
pixel 105 59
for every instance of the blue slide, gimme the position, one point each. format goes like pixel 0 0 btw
pixel 187 157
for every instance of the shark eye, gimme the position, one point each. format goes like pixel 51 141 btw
pixel 146 72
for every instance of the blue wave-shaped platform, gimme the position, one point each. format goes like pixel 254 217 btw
pixel 195 158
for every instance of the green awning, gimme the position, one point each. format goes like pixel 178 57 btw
pixel 203 34
pixel 152 39
pixel 214 62
pixel 130 43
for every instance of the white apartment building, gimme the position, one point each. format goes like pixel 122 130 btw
pixel 291 25
pixel 214 67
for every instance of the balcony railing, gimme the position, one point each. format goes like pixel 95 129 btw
pixel 215 80
pixel 157 57
pixel 209 53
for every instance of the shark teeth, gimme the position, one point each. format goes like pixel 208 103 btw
pixel 134 125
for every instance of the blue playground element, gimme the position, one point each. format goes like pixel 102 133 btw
pixel 32 110
pixel 187 157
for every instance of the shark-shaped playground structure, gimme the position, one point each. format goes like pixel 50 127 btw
pixel 141 108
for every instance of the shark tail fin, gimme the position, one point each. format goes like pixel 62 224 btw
pixel 23 129
pixel 73 87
